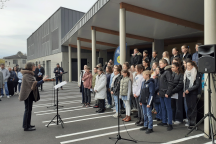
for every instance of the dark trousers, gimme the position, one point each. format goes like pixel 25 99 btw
pixel 191 100
pixel 15 84
pixel 87 95
pixel 39 79
pixel 133 102
pixel 177 109
pixel 58 79
pixel 83 95
pixel 109 98
pixel 101 103
pixel 139 108
pixel 28 110
pixel 10 87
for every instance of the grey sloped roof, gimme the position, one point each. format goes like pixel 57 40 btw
pixel 19 55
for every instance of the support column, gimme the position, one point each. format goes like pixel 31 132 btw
pixel 158 45
pixel 69 60
pixel 93 49
pixel 122 35
pixel 78 59
pixel 209 38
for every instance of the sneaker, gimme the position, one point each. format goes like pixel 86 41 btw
pixel 116 115
pixel 169 127
pixel 8 96
pixel 114 110
pixel 134 110
pixel 143 128
pixel 162 124
pixel 185 120
pixel 187 125
pixel 149 131
pixel 177 123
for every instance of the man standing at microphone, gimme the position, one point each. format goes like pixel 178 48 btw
pixel 58 72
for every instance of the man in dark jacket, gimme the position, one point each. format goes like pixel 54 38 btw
pixel 175 54
pixel 136 57
pixel 58 73
pixel 185 54
pixel 39 73
pixel 154 58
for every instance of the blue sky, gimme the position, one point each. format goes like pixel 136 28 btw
pixel 20 18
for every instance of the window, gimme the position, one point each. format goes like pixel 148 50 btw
pixel 23 61
pixel 15 61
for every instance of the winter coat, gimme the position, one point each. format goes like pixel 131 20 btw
pixel 147 58
pixel 171 59
pixel 20 76
pixel 154 60
pixel 177 83
pixel 137 83
pixel 41 71
pixel 60 69
pixel 12 76
pixel 124 86
pixel 87 78
pixel 147 92
pixel 100 86
pixel 1 80
pixel 137 59
pixel 15 76
pixel 166 81
pixel 111 78
pixel 194 89
pixel 5 73
pixel 187 56
pixel 116 87
pixel 156 96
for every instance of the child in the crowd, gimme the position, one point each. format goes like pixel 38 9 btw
pixel 192 81
pixel 109 98
pixel 93 85
pixel 146 99
pixel 146 64
pixel 165 91
pixel 157 104
pixel 177 92
pixel 87 83
pixel 154 66
pixel 133 101
pixel 100 89
pixel 136 92
pixel 166 56
pixel 115 89
pixel 125 92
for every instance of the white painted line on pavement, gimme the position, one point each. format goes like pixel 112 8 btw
pixel 210 142
pixel 100 135
pixel 59 109
pixel 80 116
pixel 72 134
pixel 83 119
pixel 62 111
pixel 184 139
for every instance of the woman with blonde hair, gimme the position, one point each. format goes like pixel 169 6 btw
pixel 166 56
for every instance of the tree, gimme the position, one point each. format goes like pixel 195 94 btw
pixel 2 61
pixel 2 3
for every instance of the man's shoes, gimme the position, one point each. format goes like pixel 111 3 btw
pixel 141 123
pixel 162 124
pixel 143 128
pixel 149 131
pixel 29 129
pixel 32 126
pixel 100 111
pixel 169 127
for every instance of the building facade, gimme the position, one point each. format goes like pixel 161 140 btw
pixel 18 58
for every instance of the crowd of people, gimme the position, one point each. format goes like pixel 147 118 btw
pixel 11 79
pixel 166 87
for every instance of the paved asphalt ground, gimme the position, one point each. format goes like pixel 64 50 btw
pixel 81 125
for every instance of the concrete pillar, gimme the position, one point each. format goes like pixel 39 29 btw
pixel 93 49
pixel 78 59
pixel 158 45
pixel 209 38
pixel 122 36
pixel 69 60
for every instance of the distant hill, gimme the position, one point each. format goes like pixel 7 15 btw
pixel 2 61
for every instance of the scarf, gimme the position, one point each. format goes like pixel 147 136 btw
pixel 113 80
pixel 191 75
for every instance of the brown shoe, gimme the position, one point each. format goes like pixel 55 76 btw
pixel 125 118
pixel 128 119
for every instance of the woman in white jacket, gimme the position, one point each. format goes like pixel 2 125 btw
pixel 100 90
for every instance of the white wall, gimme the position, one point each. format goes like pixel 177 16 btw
pixel 9 63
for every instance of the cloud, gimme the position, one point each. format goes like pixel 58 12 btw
pixel 19 19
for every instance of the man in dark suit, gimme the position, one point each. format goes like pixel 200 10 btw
pixel 58 72
pixel 39 73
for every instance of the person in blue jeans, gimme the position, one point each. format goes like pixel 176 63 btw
pixel 109 98
pixel 165 91
pixel 6 75
pixel 146 100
